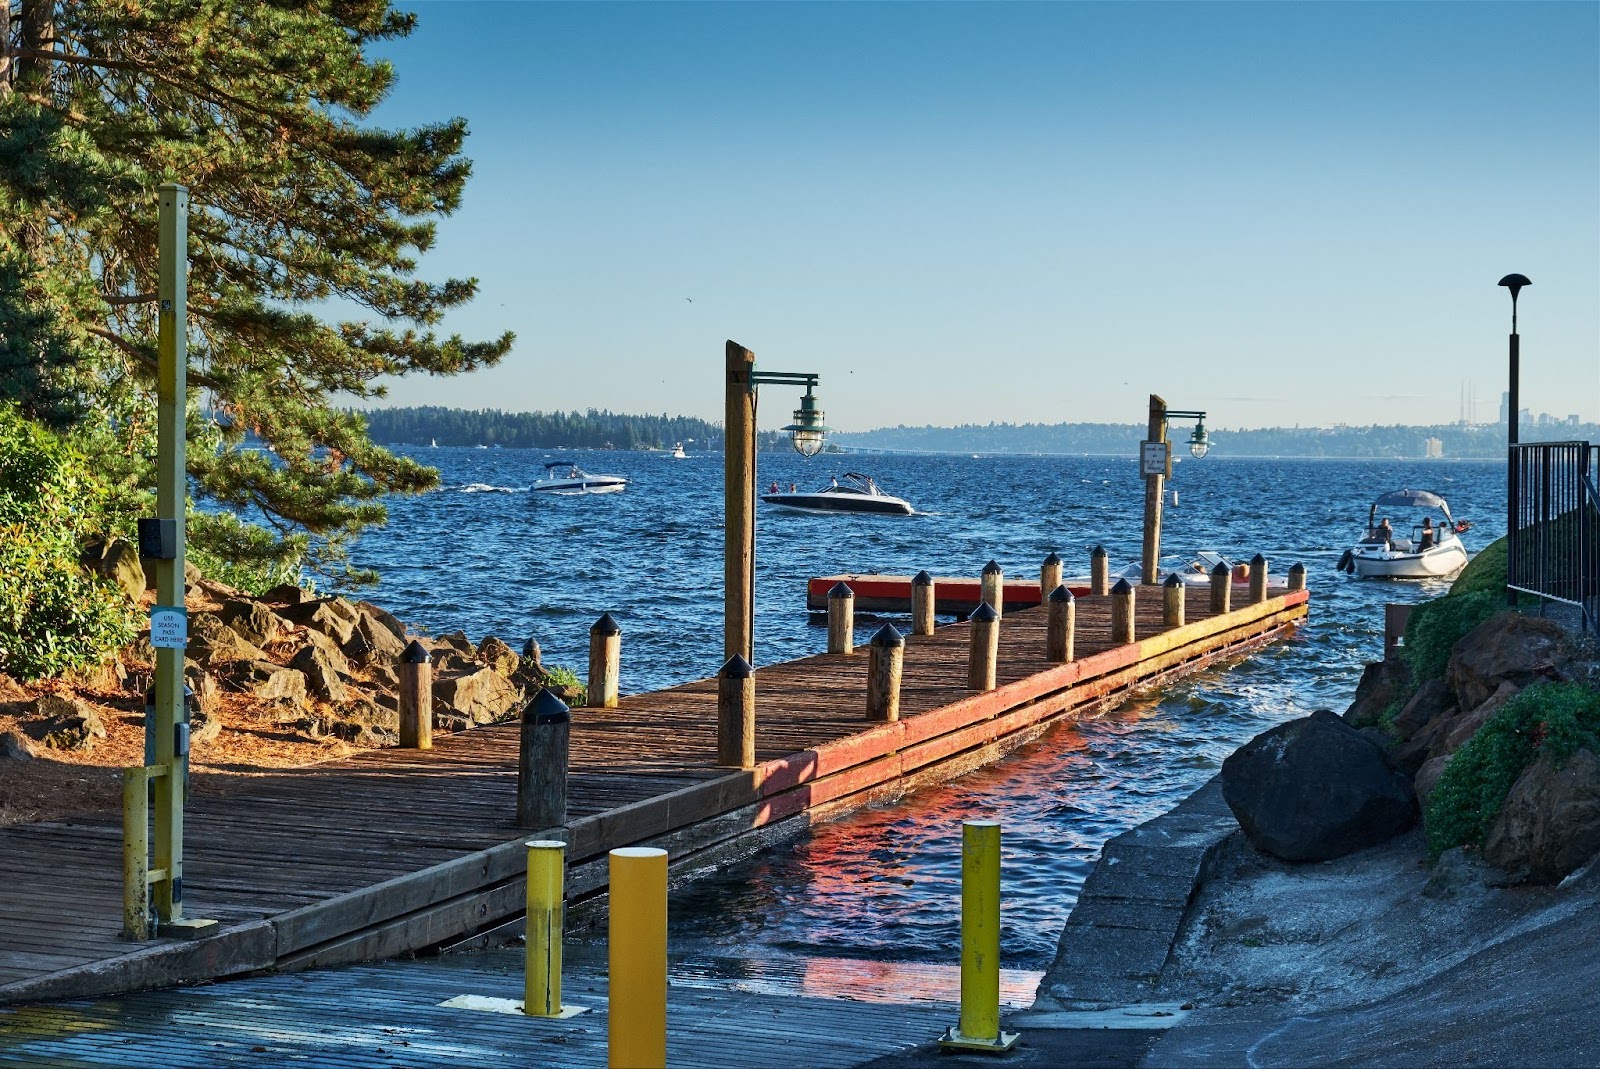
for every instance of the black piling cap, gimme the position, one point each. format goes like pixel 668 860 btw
pixel 922 578
pixel 605 626
pixel 841 589
pixel 1173 580
pixel 1053 558
pixel 1220 570
pixel 984 613
pixel 1257 561
pixel 1061 593
pixel 415 654
pixel 887 637
pixel 1297 567
pixel 1098 551
pixel 1123 587
pixel 992 568
pixel 546 708
pixel 737 668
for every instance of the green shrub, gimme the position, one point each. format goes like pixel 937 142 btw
pixel 559 678
pixel 1436 626
pixel 1557 718
pixel 1484 572
pixel 54 616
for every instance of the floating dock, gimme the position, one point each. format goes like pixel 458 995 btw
pixel 398 851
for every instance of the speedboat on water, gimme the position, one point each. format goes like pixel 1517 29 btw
pixel 850 492
pixel 565 477
pixel 1419 549
pixel 678 453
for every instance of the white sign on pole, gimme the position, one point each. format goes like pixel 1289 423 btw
pixel 169 627
pixel 1152 458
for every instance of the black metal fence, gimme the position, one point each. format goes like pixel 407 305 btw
pixel 1553 544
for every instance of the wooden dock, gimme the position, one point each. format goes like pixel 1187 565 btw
pixel 396 851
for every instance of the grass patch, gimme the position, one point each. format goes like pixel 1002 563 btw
pixel 1436 626
pixel 1484 572
pixel 1555 718
pixel 559 678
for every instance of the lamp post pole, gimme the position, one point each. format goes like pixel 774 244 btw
pixel 1514 283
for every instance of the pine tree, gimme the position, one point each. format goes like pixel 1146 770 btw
pixel 296 206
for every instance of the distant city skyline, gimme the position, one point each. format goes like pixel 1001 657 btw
pixel 954 213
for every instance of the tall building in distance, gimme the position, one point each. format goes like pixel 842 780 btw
pixel 1432 448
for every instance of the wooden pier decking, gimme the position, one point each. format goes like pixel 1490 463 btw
pixel 401 850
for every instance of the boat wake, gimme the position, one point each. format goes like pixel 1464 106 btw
pixel 485 488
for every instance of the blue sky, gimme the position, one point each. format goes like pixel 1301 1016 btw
pixel 1279 212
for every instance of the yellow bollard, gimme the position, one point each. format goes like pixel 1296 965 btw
pixel 541 986
pixel 979 1026
pixel 136 853
pixel 637 1030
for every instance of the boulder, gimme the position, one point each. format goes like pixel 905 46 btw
pixel 265 680
pixel 191 574
pixel 497 655
pixel 1314 789
pixel 372 641
pixel 65 724
pixel 384 620
pixel 1507 647
pixel 384 675
pixel 115 559
pixel 458 641
pixel 1463 727
pixel 212 642
pixel 1382 684
pixel 320 675
pixel 1431 699
pixel 482 696
pixel 14 747
pixel 254 621
pixel 1411 755
pixel 329 649
pixel 203 727
pixel 287 594
pixel 1550 822
pixel 1427 778
pixel 359 709
pixel 324 615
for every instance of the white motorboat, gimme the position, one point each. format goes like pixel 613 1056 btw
pixel 851 492
pixel 565 477
pixel 1420 549
pixel 678 453
pixel 1196 572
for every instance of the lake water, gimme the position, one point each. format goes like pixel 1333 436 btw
pixel 484 555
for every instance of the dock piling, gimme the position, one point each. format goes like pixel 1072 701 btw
pixel 637 1028
pixel 922 604
pixel 994 587
pixel 885 660
pixel 985 650
pixel 541 983
pixel 1122 613
pixel 542 762
pixel 416 698
pixel 605 662
pixel 1049 574
pixel 1172 601
pixel 841 619
pixel 1258 579
pixel 978 1026
pixel 1059 625
pixel 1099 571
pixel 1297 576
pixel 736 714
pixel 1221 589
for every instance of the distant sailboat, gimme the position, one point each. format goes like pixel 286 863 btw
pixel 433 443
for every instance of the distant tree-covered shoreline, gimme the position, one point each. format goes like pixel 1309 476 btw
pixel 594 429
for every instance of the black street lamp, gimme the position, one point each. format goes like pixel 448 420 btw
pixel 1514 283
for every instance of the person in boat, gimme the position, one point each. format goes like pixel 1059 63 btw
pixel 835 483
pixel 1427 532
pixel 774 488
pixel 793 489
pixel 1384 532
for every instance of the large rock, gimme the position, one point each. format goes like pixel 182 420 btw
pixel 1507 647
pixel 1550 822
pixel 320 675
pixel 1463 727
pixel 329 649
pixel 287 594
pixel 1431 699
pixel 384 619
pixel 253 620
pixel 1382 684
pixel 499 656
pixel 64 723
pixel 482 696
pixel 213 642
pixel 334 617
pixel 115 559
pixel 1314 789
pixel 373 641
pixel 14 747
pixel 265 680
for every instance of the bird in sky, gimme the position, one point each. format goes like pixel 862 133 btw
pixel 689 299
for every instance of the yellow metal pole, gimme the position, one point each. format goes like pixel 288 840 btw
pixel 637 1030
pixel 979 1025
pixel 541 991
pixel 135 854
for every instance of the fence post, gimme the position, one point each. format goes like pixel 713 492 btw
pixel 637 1027
pixel 1297 576
pixel 1173 599
pixel 978 1027
pixel 416 698
pixel 922 604
pixel 1062 620
pixel 1122 613
pixel 736 714
pixel 841 619
pixel 1221 589
pixel 542 762
pixel 1049 574
pixel 1258 579
pixel 605 662
pixel 885 660
pixel 984 651
pixel 994 588
pixel 1099 571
